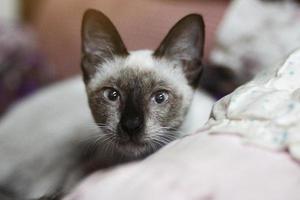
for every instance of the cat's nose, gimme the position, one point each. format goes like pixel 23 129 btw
pixel 132 125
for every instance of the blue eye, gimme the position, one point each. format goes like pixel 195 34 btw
pixel 161 97
pixel 111 94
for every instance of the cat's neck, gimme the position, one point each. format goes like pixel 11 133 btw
pixel 198 112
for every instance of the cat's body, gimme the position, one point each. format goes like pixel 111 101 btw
pixel 139 100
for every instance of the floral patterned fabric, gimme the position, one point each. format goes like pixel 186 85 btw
pixel 265 111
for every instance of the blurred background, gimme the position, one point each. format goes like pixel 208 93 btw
pixel 40 39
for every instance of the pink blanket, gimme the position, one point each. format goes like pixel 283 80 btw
pixel 200 167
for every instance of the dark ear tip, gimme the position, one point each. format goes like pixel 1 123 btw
pixel 91 10
pixel 92 13
pixel 194 17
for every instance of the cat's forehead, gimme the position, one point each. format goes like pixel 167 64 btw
pixel 140 67
pixel 130 79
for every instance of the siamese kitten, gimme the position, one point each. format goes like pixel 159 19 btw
pixel 139 102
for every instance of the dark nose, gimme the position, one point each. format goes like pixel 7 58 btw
pixel 132 125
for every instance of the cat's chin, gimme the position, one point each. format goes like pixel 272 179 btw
pixel 135 150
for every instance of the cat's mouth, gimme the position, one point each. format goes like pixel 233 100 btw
pixel 136 142
pixel 137 147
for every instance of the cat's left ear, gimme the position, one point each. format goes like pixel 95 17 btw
pixel 185 43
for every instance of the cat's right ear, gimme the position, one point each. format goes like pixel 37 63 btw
pixel 100 42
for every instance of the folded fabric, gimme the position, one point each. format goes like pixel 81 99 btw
pixel 265 111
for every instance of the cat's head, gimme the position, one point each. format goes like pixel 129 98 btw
pixel 139 99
